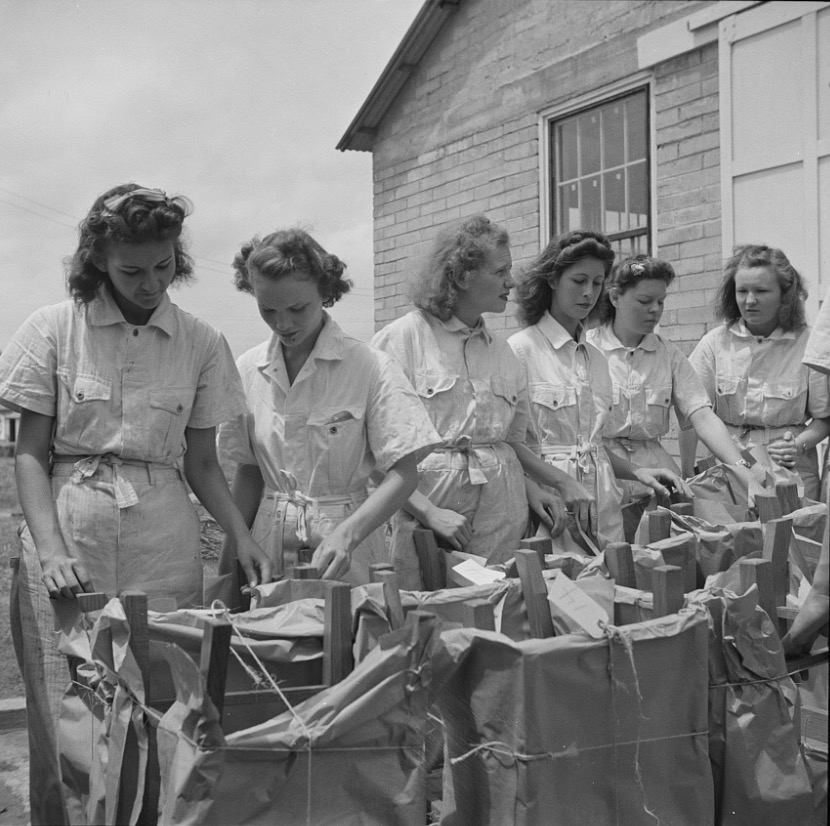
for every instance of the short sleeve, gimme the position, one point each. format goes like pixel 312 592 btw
pixel 397 421
pixel 522 429
pixel 234 443
pixel 702 360
pixel 219 395
pixel 818 396
pixel 688 393
pixel 28 365
pixel 817 352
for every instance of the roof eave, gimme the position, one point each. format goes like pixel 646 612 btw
pixel 360 135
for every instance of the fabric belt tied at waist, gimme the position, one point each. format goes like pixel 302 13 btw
pixel 630 445
pixel 770 433
pixel 86 467
pixel 473 455
pixel 302 502
pixel 582 453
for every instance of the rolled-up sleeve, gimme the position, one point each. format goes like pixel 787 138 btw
pixel 817 352
pixel 219 395
pixel 28 366
pixel 397 421
pixel 818 402
pixel 234 442
pixel 688 393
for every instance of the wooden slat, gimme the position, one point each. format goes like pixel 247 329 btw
pixel 541 544
pixel 777 535
pixel 658 524
pixel 93 601
pixel 213 659
pixel 705 463
pixel 683 509
pixel 667 584
pixel 768 507
pixel 620 563
pixel 135 607
pixel 535 593
pixel 392 596
pixel 759 572
pixel 337 636
pixel 304 556
pixel 787 493
pixel 430 559
pixel 305 570
pixel 478 613
pixel 376 567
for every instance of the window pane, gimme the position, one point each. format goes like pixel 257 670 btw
pixel 589 142
pixel 568 214
pixel 637 195
pixel 615 217
pixel 567 151
pixel 636 122
pixel 591 204
pixel 613 138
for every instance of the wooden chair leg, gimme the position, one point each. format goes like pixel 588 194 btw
pixel 777 536
pixel 787 493
pixel 667 586
pixel 213 659
pixel 430 559
pixel 478 613
pixel 541 544
pixel 768 506
pixel 338 660
pixel 535 593
pixel 758 572
pixel 619 560
pixel 392 596
pixel 659 525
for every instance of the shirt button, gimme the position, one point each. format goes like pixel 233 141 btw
pixel 179 408
pixel 430 391
pixel 135 332
pixel 333 431
pixel 80 395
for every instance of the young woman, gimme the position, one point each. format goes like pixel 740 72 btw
pixel 751 365
pixel 120 393
pixel 325 413
pixel 570 386
pixel 650 376
pixel 472 490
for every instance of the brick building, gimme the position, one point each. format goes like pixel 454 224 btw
pixel 679 128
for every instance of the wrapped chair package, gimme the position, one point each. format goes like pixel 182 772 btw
pixel 574 730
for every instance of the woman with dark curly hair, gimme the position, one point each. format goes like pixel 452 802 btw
pixel 650 376
pixel 120 393
pixel 325 413
pixel 568 379
pixel 472 492
pixel 751 365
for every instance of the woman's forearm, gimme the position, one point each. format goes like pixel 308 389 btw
pixel 813 434
pixel 688 449
pixel 247 493
pixel 713 433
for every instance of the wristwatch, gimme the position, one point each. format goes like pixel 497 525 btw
pixel 743 462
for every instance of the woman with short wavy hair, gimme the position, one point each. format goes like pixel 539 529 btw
pixel 472 491
pixel 751 365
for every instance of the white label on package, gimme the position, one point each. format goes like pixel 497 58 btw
pixel 567 598
pixel 475 574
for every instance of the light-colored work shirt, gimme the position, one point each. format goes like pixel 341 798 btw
pixel 760 382
pixel 568 382
pixel 350 410
pixel 648 380
pixel 116 388
pixel 468 380
pixel 817 352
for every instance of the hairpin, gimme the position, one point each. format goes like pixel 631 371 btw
pixel 154 196
pixel 638 269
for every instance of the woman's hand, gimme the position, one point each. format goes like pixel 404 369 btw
pixel 333 556
pixel 579 503
pixel 784 451
pixel 661 481
pixel 547 504
pixel 64 577
pixel 255 562
pixel 449 526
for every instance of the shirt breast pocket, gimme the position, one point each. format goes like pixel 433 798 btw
pixel 84 402
pixel 658 405
pixel 728 401
pixel 169 410
pixel 436 392
pixel 340 435
pixel 552 397
pixel 784 403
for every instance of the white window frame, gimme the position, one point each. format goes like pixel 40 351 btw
pixel 594 98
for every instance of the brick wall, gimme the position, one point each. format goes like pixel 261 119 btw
pixel 462 136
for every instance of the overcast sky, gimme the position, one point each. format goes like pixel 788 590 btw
pixel 237 104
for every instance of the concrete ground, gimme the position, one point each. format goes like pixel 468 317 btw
pixel 14 777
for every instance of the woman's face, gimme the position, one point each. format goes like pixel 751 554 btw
pixel 639 308
pixel 758 295
pixel 576 291
pixel 292 307
pixel 487 289
pixel 140 275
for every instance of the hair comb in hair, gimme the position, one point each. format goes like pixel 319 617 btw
pixel 638 269
pixel 153 196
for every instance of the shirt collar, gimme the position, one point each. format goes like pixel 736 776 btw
pixel 103 311
pixel 608 340
pixel 739 329
pixel 455 325
pixel 556 334
pixel 330 345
